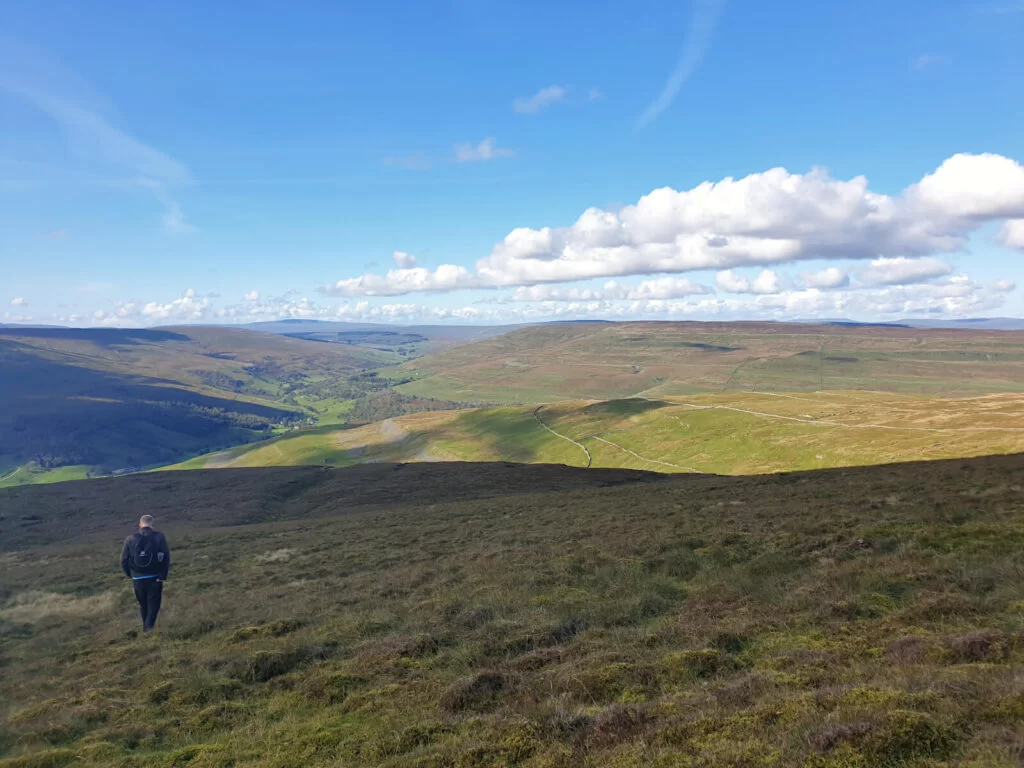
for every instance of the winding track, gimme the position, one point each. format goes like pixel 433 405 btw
pixel 536 415
pixel 644 458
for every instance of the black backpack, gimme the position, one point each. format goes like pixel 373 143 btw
pixel 145 550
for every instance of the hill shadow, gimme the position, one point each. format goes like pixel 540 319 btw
pixel 59 414
pixel 104 337
pixel 632 406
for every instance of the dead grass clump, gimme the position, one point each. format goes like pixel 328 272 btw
pixel 278 628
pixel 479 693
pixel 701 664
pixel 729 642
pixel 400 647
pixel 331 688
pixel 941 607
pixel 473 618
pixel 262 666
pixel 538 659
pixel 35 605
pixel 830 736
pixel 618 723
pixel 568 726
pixel 894 738
pixel 743 691
pixel 903 735
pixel 558 634
pixel 912 649
pixel 983 645
pixel 276 556
pixel 609 682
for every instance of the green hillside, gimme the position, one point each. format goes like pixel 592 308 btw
pixel 730 433
pixel 605 361
pixel 455 616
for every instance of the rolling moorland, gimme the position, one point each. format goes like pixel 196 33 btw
pixel 440 616
pixel 772 409
pixel 94 402
pixel 607 361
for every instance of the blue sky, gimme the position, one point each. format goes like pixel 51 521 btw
pixel 494 161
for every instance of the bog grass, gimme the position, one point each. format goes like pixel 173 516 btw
pixel 491 615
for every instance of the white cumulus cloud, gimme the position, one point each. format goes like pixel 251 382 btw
pixel 764 219
pixel 19 301
pixel 764 283
pixel 543 98
pixel 902 271
pixel 397 282
pixel 188 308
pixel 487 149
pixel 826 279
pixel 1012 234
pixel 252 296
pixel 404 260
pixel 661 288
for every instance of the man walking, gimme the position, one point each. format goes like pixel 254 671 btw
pixel 146 559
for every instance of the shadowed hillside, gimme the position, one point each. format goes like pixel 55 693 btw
pixel 107 399
pixel 451 616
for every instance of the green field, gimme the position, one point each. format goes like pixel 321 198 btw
pixel 470 616
pixel 729 433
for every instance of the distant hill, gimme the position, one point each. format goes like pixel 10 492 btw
pixel 454 616
pixel 604 361
pixel 102 400
pixel 981 323
pixel 419 339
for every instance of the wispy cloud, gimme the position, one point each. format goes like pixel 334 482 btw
pixel 487 149
pixel 174 220
pixel 90 136
pixel 53 234
pixel 698 41
pixel 545 97
pixel 595 94
pixel 417 161
pixel 925 61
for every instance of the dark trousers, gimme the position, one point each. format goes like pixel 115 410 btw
pixel 148 592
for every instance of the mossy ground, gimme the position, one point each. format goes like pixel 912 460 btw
pixel 861 617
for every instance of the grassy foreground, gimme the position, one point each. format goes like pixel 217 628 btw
pixel 449 616
pixel 727 433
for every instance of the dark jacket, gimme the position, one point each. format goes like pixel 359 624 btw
pixel 146 546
